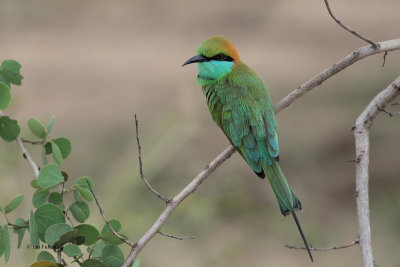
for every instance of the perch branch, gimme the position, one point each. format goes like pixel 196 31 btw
pixel 105 219
pixel 361 135
pixel 155 192
pixel 391 114
pixel 26 154
pixel 355 242
pixel 375 45
pixel 355 56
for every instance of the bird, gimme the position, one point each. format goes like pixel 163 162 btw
pixel 240 104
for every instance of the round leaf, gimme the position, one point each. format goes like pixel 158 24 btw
pixel 37 128
pixel 39 197
pixel 5 95
pixel 136 263
pixel 98 248
pixel 93 263
pixel 89 232
pixel 54 232
pixel 13 204
pixel 72 250
pixel 49 176
pixel 34 184
pixel 85 193
pixel 67 237
pixel 9 129
pixel 112 250
pixel 82 181
pixel 45 256
pixel 44 264
pixel 10 69
pixel 64 145
pixel 33 230
pixel 115 224
pixel 55 198
pixel 112 261
pixel 56 153
pixel 50 125
pixel 1 241
pixel 47 215
pixel 111 238
pixel 77 212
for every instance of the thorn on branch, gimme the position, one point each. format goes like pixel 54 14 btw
pixel 176 237
pixel 384 59
pixel 105 219
pixel 355 242
pixel 357 160
pixel 374 44
pixel 155 192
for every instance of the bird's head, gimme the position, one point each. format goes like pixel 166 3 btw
pixel 215 58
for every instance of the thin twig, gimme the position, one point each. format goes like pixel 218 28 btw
pixel 59 259
pixel 105 219
pixel 388 112
pixel 395 104
pixel 361 136
pixel 155 192
pixel 32 142
pixel 375 45
pixel 228 152
pixel 176 237
pixel 355 242
pixel 26 154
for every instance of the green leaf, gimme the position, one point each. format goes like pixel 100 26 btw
pixel 1 208
pixel 67 237
pixel 33 230
pixel 85 193
pixel 72 250
pixel 55 198
pixel 56 154
pixel 20 231
pixel 79 240
pixel 136 263
pixel 10 69
pixel 49 176
pixel 54 232
pixel 13 204
pixel 47 148
pixel 89 232
pixel 9 129
pixel 4 80
pixel 77 212
pixel 82 181
pixel 34 184
pixel 39 197
pixel 5 95
pixel 64 144
pixel 37 128
pixel 112 250
pixel 77 196
pixel 112 239
pixel 44 264
pixel 98 248
pixel 115 224
pixel 113 261
pixel 94 263
pixel 7 243
pixel 50 125
pixel 45 256
pixel 47 215
pixel 1 241
pixel 65 175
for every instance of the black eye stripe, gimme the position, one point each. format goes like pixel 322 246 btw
pixel 221 57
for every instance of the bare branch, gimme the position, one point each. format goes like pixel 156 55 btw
pixel 105 219
pixel 350 59
pixel 375 45
pixel 361 136
pixel 176 237
pixel 355 242
pixel 384 59
pixel 26 154
pixel 355 56
pixel 155 192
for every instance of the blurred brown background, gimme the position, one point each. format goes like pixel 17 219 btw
pixel 93 64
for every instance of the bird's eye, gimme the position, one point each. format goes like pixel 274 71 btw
pixel 220 56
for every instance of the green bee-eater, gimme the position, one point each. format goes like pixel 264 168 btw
pixel 239 102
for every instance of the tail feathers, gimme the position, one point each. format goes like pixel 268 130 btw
pixel 288 202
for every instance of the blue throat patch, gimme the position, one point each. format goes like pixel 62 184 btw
pixel 214 70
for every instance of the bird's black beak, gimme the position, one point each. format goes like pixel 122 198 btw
pixel 198 58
